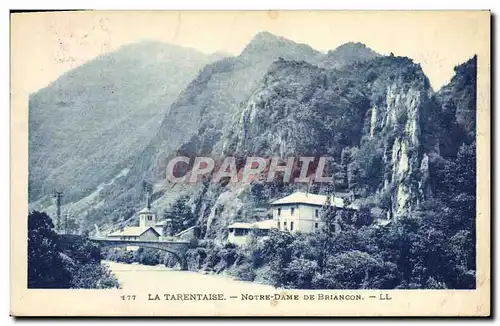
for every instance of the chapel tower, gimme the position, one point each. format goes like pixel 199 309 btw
pixel 146 215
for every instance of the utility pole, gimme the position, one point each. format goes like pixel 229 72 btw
pixel 66 218
pixel 59 223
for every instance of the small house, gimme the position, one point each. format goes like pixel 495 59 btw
pixel 239 233
pixel 135 233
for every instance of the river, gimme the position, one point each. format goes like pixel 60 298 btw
pixel 161 278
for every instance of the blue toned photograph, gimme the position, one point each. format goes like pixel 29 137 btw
pixel 265 159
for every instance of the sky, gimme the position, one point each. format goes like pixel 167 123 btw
pixel 45 45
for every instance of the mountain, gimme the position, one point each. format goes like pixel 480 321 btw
pixel 265 47
pixel 457 103
pixel 378 120
pixel 87 125
pixel 195 121
pixel 370 118
pixel 299 109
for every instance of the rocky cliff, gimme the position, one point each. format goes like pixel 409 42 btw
pixel 381 111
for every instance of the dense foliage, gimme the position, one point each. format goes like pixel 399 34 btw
pixel 431 248
pixel 52 264
pixel 180 215
pixel 45 263
pixel 424 251
pixel 144 256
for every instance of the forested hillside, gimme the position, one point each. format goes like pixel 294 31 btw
pixel 87 126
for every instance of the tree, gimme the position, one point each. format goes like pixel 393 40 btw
pixel 92 276
pixel 77 265
pixel 277 249
pixel 180 215
pixel 72 226
pixel 85 251
pixel 350 270
pixel 330 216
pixel 147 256
pixel 456 185
pixel 45 264
pixel 301 272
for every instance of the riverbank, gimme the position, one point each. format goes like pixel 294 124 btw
pixel 160 278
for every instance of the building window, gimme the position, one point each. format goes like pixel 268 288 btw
pixel 316 212
pixel 279 211
pixel 316 225
pixel 292 210
pixel 279 226
pixel 291 226
pixel 150 218
pixel 284 225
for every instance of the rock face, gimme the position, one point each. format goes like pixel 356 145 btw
pixel 301 109
pixel 196 120
pixel 404 158
pixel 400 117
pixel 381 111
pixel 296 111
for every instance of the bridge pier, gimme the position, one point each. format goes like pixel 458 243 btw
pixel 184 265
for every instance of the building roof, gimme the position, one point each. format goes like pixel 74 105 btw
pixel 382 222
pixel 312 199
pixel 263 225
pixel 145 210
pixel 184 231
pixel 132 231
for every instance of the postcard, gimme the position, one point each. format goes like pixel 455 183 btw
pixel 250 163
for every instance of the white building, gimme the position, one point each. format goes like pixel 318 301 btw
pixel 301 212
pixel 239 233
pixel 298 212
pixel 148 230
pixel 136 233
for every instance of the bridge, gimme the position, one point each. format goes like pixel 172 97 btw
pixel 177 248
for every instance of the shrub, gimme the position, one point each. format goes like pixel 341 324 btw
pixel 92 276
pixel 245 272
pixel 147 256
